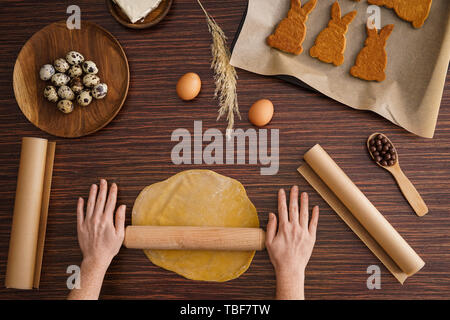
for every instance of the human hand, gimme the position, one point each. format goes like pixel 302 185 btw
pixel 291 247
pixel 100 240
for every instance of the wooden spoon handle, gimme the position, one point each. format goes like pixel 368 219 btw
pixel 410 192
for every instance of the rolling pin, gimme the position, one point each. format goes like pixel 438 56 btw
pixel 194 238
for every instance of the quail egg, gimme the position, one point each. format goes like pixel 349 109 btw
pixel 60 79
pixel 75 71
pixel 100 91
pixel 50 94
pixel 90 67
pixel 74 58
pixel 76 85
pixel 65 106
pixel 84 98
pixel 91 80
pixel 65 93
pixel 46 72
pixel 61 65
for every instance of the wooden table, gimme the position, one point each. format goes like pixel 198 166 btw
pixel 134 151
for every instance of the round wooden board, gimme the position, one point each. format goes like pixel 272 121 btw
pixel 54 41
pixel 150 20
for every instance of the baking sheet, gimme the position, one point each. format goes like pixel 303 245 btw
pixel 337 189
pixel 30 214
pixel 415 75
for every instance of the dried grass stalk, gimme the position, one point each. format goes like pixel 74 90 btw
pixel 225 76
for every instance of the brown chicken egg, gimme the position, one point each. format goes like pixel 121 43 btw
pixel 188 86
pixel 261 112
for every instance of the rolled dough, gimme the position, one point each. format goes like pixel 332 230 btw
pixel 197 198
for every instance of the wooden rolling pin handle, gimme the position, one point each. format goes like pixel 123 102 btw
pixel 194 238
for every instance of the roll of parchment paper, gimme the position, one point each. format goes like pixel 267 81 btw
pixel 30 213
pixel 328 179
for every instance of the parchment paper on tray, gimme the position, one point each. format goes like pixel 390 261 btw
pixel 415 75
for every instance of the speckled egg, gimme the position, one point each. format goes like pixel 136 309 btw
pixel 61 65
pixel 65 93
pixel 50 94
pixel 65 106
pixel 100 91
pixel 75 71
pixel 90 67
pixel 84 98
pixel 76 85
pixel 74 57
pixel 46 72
pixel 91 80
pixel 60 79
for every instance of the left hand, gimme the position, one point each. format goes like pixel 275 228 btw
pixel 99 238
pixel 291 246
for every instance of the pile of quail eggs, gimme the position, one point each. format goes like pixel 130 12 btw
pixel 72 78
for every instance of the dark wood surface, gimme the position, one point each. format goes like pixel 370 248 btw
pixel 134 151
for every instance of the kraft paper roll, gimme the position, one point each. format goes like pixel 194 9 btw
pixel 327 178
pixel 30 213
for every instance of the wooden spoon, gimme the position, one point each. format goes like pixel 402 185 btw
pixel 407 188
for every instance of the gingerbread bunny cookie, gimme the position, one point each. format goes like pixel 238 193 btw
pixel 329 46
pixel 372 59
pixel 414 11
pixel 291 31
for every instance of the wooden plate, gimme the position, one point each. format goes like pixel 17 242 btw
pixel 150 20
pixel 53 42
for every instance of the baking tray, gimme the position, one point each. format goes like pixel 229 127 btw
pixel 289 79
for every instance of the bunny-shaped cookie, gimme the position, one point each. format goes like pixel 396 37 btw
pixel 414 11
pixel 372 59
pixel 291 31
pixel 329 46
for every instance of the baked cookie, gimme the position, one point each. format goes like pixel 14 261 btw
pixel 372 59
pixel 291 31
pixel 329 46
pixel 414 11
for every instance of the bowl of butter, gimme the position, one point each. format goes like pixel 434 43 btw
pixel 139 14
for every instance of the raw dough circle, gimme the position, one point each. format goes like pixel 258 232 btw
pixel 197 198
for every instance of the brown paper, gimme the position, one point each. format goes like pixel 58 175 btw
pixel 44 211
pixel 328 179
pixel 415 75
pixel 30 213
